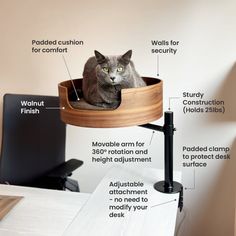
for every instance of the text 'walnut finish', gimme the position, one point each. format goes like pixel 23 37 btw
pixel 138 106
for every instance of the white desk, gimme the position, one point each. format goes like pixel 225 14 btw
pixel 56 213
pixel 41 212
pixel 158 220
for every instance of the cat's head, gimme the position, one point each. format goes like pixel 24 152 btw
pixel 112 70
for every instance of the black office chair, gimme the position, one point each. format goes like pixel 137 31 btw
pixel 33 144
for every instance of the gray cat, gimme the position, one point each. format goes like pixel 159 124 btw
pixel 105 76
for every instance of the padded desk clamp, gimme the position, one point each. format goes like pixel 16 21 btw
pixel 168 185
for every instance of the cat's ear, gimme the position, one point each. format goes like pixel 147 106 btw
pixel 100 58
pixel 126 57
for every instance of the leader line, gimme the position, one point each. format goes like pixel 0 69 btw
pixel 164 203
pixel 55 108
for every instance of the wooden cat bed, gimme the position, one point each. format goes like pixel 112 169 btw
pixel 138 106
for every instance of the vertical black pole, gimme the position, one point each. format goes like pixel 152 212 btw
pixel 168 132
pixel 168 185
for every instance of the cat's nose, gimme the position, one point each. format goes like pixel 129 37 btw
pixel 112 78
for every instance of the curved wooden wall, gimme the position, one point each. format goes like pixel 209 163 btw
pixel 138 106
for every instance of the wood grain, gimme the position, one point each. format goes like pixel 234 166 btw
pixel 42 212
pixel 138 106
pixel 7 203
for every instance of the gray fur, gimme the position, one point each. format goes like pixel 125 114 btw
pixel 105 76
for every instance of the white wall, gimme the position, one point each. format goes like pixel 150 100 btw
pixel 205 62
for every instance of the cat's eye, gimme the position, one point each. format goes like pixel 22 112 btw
pixel 105 69
pixel 119 69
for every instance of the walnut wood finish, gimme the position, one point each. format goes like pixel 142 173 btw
pixel 138 106
pixel 7 203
